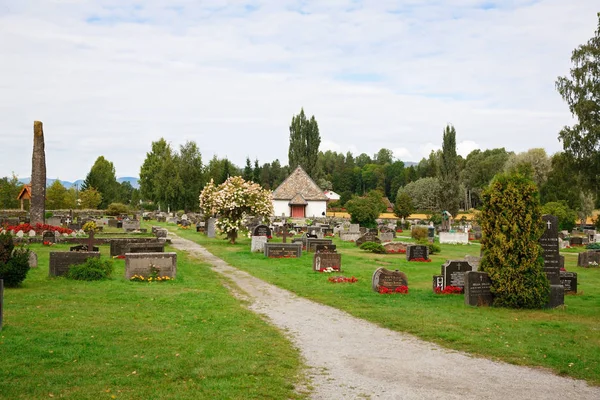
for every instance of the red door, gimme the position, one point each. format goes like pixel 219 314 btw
pixel 297 211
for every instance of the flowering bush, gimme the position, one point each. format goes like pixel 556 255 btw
pixel 400 290
pixel 233 200
pixel 38 228
pixel 342 279
pixel 420 259
pixel 90 226
pixel 449 290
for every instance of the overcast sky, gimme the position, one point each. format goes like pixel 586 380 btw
pixel 109 77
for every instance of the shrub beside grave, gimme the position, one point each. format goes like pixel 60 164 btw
pixel 14 263
pixel 419 233
pixel 93 269
pixel 373 247
pixel 511 222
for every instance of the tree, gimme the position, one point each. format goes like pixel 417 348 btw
pixel 102 178
pixel 248 173
pixel 233 201
pixel 424 193
pixel 479 170
pixel 384 156
pixel 90 198
pixel 560 209
pixel 304 143
pixel 404 205
pixel 150 169
pixel 511 222
pixel 582 94
pixel 9 190
pixel 191 173
pixel 587 201
pixel 449 186
pixel 563 182
pixel 533 163
pixel 56 196
pixel 365 210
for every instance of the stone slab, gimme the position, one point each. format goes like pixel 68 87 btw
pixel 61 261
pixel 327 260
pixel 477 289
pixel 140 264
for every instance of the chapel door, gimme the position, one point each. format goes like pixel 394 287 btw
pixel 297 211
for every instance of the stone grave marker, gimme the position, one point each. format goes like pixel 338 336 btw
pixel 131 225
pixel 354 228
pixel 549 243
pixel 31 233
pixel 211 229
pixel 327 260
pixel 311 243
pixel 584 259
pixel 367 237
pixel 262 230
pixel 386 237
pixel 20 234
pixel 161 233
pixel 417 251
pixel 141 263
pixel 54 221
pixel 37 208
pixel 569 282
pixel 302 240
pixel 327 231
pixel 477 289
pixel 258 244
pixel 33 259
pixel 438 282
pixel 61 261
pixel 395 247
pixel 474 261
pixel 389 279
pixel 454 271
pixel 576 241
pixel 325 248
pixel 283 250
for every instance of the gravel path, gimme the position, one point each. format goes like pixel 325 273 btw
pixel 350 358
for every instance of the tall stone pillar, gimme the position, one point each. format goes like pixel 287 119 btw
pixel 38 176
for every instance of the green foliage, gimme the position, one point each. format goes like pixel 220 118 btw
pixel 58 197
pixel 14 263
pixel 419 233
pixel 403 206
pixel 116 209
pixel 9 190
pixel 365 210
pixel 581 92
pixel 93 269
pixel 511 222
pixel 567 218
pixel 593 246
pixel 304 143
pixel 434 248
pixel 479 170
pixel 533 163
pixel 424 193
pixel 449 186
pixel 373 247
pixel 48 214
pixel 90 198
pixel 102 178
pixel 563 182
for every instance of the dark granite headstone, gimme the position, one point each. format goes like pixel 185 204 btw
pixel 389 279
pixel 283 250
pixel 367 237
pixel 549 243
pixel 454 271
pixel 417 251
pixel 327 232
pixel 118 246
pixel 327 260
pixel 584 259
pixel 61 261
pixel 477 289
pixel 301 240
pixel 569 281
pixel 262 230
pixel 325 248
pixel 49 236
pixel 575 241
pixel 311 243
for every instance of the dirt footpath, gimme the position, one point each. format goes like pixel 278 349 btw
pixel 350 358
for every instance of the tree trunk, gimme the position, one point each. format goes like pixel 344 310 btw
pixel 232 236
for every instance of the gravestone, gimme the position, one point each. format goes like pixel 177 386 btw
pixel 311 243
pixel 586 258
pixel 82 247
pixel 301 240
pixel 20 234
pixel 161 233
pixel 262 230
pixel 211 228
pixel 549 243
pixel 1 301
pixel 438 283
pixel 258 244
pixel 354 228
pixel 454 271
pixel 477 289
pixel 367 237
pixel 325 248
pixel 141 263
pixel 119 246
pixel 395 247
pixel 113 223
pixel 327 231
pixel 37 209
pixel 431 234
pixel 576 241
pixel 327 260
pixel 417 251
pixel 54 221
pixel 349 237
pixel 569 281
pixel 454 238
pixel 31 233
pixel 389 279
pixel 61 261
pixel 283 250
pixel 33 259
pixel 149 247
pixel 49 236
pixel 386 237
pixel 131 225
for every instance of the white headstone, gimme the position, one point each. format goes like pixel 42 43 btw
pixel 258 243
pixel 33 261
pixel 184 217
pixel 20 234
pixel 31 233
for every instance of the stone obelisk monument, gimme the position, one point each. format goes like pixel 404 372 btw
pixel 38 176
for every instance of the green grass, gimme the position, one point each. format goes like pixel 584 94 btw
pixel 565 340
pixel 187 339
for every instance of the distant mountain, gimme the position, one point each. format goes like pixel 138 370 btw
pixel 133 181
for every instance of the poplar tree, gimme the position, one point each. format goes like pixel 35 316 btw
pixel 450 189
pixel 304 143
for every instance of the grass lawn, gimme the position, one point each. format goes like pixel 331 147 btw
pixel 186 339
pixel 565 340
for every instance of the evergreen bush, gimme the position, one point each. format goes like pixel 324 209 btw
pixel 373 247
pixel 93 269
pixel 14 263
pixel 419 233
pixel 511 222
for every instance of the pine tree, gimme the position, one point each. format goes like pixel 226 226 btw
pixel 450 189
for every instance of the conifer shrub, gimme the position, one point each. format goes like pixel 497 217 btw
pixel 419 233
pixel 511 222
pixel 14 263
pixel 373 247
pixel 93 269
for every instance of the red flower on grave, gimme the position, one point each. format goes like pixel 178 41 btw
pixel 420 260
pixel 449 290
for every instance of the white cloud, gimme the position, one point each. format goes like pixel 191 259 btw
pixel 107 78
pixel 402 153
pixel 465 147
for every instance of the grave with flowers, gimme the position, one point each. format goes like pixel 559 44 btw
pixel 323 261
pixel 385 281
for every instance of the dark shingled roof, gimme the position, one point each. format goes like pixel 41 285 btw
pixel 298 183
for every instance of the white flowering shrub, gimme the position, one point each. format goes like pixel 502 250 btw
pixel 233 200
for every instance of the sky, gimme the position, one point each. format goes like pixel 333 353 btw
pixel 107 78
